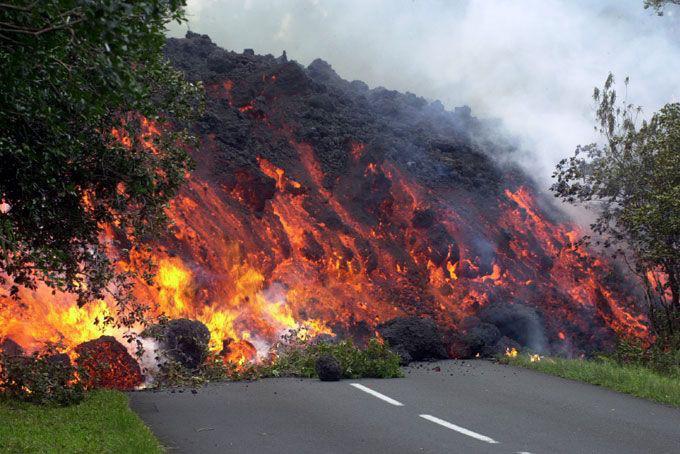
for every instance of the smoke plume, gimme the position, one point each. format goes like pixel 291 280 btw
pixel 531 63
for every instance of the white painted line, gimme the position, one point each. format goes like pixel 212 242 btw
pixel 462 430
pixel 368 390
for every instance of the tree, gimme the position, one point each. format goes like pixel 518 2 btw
pixel 632 181
pixel 659 5
pixel 93 122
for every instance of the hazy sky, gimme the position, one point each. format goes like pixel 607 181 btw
pixel 532 63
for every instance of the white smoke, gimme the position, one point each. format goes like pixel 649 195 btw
pixel 150 359
pixel 531 63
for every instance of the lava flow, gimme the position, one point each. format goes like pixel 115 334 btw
pixel 322 206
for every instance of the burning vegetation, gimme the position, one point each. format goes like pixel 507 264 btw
pixel 324 206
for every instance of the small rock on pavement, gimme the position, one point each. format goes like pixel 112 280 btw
pixel 328 368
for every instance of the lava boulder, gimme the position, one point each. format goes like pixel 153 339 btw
pixel 413 338
pixel 328 368
pixel 481 340
pixel 107 364
pixel 10 348
pixel 182 340
pixel 518 322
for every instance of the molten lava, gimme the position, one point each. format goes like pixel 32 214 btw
pixel 268 240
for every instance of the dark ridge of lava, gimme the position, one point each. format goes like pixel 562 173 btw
pixel 368 204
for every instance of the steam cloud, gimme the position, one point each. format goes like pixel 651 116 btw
pixel 531 63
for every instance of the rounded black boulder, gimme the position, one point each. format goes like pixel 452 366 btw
pixel 481 339
pixel 182 340
pixel 413 338
pixel 328 368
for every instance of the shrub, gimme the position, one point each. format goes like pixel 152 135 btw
pixel 299 359
pixel 45 377
pixel 663 356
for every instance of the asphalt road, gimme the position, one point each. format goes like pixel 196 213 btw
pixel 465 406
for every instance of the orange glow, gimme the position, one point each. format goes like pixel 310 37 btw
pixel 327 253
pixel 452 270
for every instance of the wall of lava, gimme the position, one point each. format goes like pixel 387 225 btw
pixel 321 205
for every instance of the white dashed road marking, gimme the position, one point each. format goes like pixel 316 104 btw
pixel 430 418
pixel 459 429
pixel 368 390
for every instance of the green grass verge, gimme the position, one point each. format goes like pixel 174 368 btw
pixel 102 423
pixel 630 379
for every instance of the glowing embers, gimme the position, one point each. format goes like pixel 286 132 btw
pixel 558 265
pixel 451 268
pixel 107 364
pixel 147 136
pixel 283 183
pixel 357 150
pixel 247 108
pixel 221 91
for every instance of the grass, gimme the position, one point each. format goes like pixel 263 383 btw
pixel 637 380
pixel 102 423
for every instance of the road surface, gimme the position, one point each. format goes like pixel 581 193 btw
pixel 445 407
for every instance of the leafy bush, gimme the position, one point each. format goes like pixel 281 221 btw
pixel 45 377
pixel 298 359
pixel 172 373
pixel 662 356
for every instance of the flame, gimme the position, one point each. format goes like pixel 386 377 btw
pixel 511 352
pixel 451 268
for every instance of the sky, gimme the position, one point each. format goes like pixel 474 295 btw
pixel 531 63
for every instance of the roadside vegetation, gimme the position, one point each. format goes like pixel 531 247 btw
pixel 45 377
pixel 376 360
pixel 292 357
pixel 630 180
pixel 102 421
pixel 634 379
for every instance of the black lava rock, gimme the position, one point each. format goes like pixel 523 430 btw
pixel 328 368
pixel 10 348
pixel 518 322
pixel 183 340
pixel 481 339
pixel 416 337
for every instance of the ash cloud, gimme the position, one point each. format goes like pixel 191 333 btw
pixel 531 63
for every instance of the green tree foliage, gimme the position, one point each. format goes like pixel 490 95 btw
pixel 632 180
pixel 86 102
